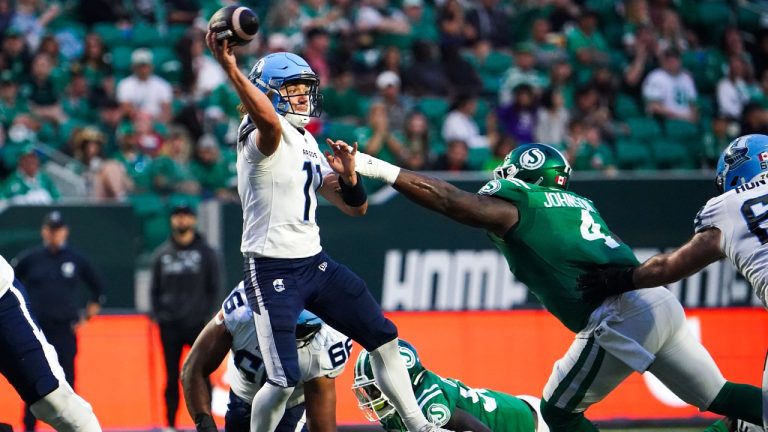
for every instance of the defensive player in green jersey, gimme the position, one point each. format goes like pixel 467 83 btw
pixel 550 236
pixel 446 402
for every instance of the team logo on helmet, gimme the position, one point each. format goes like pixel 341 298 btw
pixel 737 154
pixel 438 414
pixel 532 159
pixel 409 357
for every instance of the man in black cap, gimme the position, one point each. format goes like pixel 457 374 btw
pixel 52 272
pixel 185 293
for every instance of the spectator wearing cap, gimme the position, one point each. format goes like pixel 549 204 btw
pixel 669 91
pixel 213 171
pixel 28 185
pixel 52 273
pixel 398 105
pixel 523 72
pixel 106 179
pixel 143 90
pixel 185 287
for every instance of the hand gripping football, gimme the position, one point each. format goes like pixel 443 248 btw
pixel 236 24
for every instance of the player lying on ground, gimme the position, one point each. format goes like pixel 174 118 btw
pixel 446 402
pixel 733 224
pixel 323 353
pixel 30 363
pixel 551 236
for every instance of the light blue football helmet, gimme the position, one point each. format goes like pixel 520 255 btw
pixel 743 161
pixel 306 326
pixel 274 71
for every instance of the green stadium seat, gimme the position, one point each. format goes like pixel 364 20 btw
pixel 748 18
pixel 680 130
pixel 670 155
pixel 497 62
pixel 643 128
pixel 715 16
pixel 121 59
pixel 631 154
pixel 707 106
pixel 627 107
pixel 435 109
pixel 110 34
pixel 147 35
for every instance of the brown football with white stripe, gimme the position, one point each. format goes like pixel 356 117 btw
pixel 236 24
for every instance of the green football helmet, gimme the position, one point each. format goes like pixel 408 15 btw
pixel 538 164
pixel 370 399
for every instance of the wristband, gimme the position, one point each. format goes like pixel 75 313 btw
pixel 204 423
pixel 353 196
pixel 374 168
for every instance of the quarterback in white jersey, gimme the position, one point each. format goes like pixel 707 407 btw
pixel 280 173
pixel 30 363
pixel 323 354
pixel 733 225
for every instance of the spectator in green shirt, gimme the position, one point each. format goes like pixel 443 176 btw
pixel 586 45
pixel 171 171
pixel 11 104
pixel 592 153
pixel 211 170
pixel 28 185
pixel 341 101
pixel 137 164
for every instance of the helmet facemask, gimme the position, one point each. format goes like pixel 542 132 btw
pixel 284 106
pixel 371 400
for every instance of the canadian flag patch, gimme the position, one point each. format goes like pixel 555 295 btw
pixel 762 157
pixel 560 180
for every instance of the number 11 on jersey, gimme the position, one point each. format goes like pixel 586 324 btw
pixel 308 167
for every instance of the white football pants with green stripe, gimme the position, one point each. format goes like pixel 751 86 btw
pixel 636 331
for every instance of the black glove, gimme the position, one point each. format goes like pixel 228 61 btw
pixel 596 285
pixel 204 423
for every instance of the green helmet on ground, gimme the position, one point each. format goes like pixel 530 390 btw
pixel 538 164
pixel 370 399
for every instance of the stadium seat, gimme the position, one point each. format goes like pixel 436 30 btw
pixel 497 62
pixel 435 109
pixel 483 108
pixel 121 59
pixel 643 128
pixel 680 130
pixel 707 106
pixel 627 107
pixel 669 154
pixel 110 34
pixel 631 154
pixel 147 35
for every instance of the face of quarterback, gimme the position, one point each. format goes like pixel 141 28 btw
pixel 298 97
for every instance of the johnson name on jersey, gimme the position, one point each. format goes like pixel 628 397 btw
pixel 741 215
pixel 325 355
pixel 278 193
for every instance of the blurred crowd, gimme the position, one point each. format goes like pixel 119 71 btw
pixel 123 99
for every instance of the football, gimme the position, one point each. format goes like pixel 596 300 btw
pixel 236 24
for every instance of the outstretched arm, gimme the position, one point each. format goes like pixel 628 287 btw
pixel 493 214
pixel 256 103
pixel 207 353
pixel 700 251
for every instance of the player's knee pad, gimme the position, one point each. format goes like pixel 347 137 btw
pixel 558 419
pixel 65 411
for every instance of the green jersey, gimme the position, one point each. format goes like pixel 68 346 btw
pixel 560 236
pixel 439 397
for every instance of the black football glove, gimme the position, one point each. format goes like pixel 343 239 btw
pixel 204 423
pixel 596 285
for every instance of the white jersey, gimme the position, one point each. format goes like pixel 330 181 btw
pixel 324 356
pixel 278 193
pixel 675 92
pixel 741 215
pixel 6 275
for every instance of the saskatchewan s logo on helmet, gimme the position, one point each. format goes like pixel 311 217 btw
pixel 532 159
